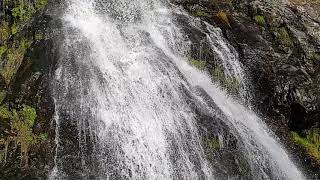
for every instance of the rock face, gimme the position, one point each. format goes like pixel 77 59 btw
pixel 279 46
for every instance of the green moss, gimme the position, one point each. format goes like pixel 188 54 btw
pixel 4 112
pixel 22 122
pixel 4 31
pixel 284 37
pixel 199 64
pixel 29 114
pixel 39 36
pixel 3 50
pixel 200 13
pixel 23 12
pixel 14 29
pixel 13 54
pixel 14 59
pixel 310 141
pixel 260 20
pixel 3 95
pixel 43 137
pixel 230 83
pixel 213 144
pixel 40 4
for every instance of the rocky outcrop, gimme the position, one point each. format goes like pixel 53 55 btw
pixel 279 46
pixel 278 43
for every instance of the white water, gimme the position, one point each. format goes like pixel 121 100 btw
pixel 124 84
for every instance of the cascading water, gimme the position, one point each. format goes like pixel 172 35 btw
pixel 128 105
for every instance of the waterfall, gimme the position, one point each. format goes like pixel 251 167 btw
pixel 129 105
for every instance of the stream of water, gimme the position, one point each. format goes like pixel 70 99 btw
pixel 126 97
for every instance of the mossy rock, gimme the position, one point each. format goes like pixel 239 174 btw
pixel 213 144
pixel 284 37
pixel 231 84
pixel 14 59
pixel 201 13
pixel 22 122
pixel 260 20
pixel 199 64
pixel 5 31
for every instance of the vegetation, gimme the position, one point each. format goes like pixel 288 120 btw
pixel 213 143
pixel 260 20
pixel 14 59
pixel 15 39
pixel 4 31
pixel 223 18
pixel 200 13
pixel 284 37
pixel 199 64
pixel 310 140
pixel 22 122
pixel 3 50
pixel 39 36
pixel 231 84
pixel 2 96
pixel 12 47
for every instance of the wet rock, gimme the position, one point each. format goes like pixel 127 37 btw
pixel 297 121
pixel 280 54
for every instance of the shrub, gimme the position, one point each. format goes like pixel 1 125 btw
pixel 260 20
pixel 200 13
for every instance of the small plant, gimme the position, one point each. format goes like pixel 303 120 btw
pixel 223 18
pixel 260 20
pixel 39 36
pixel 40 4
pixel 200 13
pixel 43 137
pixel 14 29
pixel 3 49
